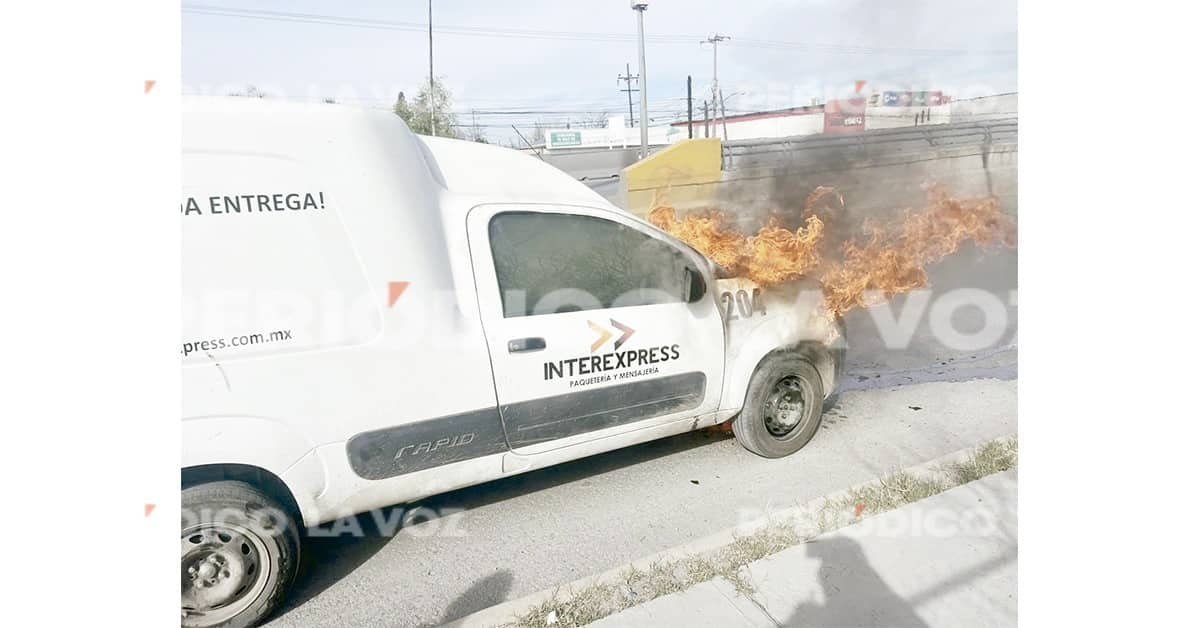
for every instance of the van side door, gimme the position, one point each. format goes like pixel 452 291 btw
pixel 588 322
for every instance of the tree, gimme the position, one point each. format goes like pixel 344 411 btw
pixel 537 135
pixel 416 114
pixel 595 121
pixel 251 91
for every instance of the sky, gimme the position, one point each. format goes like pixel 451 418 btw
pixel 558 60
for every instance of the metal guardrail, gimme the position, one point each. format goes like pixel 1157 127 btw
pixel 925 137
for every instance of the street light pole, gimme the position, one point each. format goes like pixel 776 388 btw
pixel 640 7
pixel 432 105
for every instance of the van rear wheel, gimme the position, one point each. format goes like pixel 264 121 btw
pixel 239 553
pixel 783 407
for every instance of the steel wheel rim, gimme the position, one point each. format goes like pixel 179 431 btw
pixel 785 407
pixel 224 568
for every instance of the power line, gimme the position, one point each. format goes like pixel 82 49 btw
pixel 477 31
pixel 530 112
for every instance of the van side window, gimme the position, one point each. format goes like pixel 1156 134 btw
pixel 552 263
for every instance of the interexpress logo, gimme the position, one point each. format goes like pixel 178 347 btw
pixel 604 334
pixel 633 362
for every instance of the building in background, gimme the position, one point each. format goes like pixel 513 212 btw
pixel 845 116
pixel 881 110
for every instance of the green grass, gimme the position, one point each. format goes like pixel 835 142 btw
pixel 993 457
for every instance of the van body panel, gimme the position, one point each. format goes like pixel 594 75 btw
pixel 268 443
pixel 587 411
pixel 306 479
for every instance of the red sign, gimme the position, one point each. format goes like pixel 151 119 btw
pixel 846 116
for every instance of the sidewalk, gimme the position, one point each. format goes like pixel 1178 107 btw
pixel 949 560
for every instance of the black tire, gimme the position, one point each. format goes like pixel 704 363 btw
pixel 231 534
pixel 770 438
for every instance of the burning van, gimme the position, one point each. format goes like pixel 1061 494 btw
pixel 373 317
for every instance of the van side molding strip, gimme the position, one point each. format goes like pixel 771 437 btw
pixel 393 451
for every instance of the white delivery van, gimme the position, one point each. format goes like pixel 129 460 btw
pixel 371 317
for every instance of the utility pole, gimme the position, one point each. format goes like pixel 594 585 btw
pixel 640 7
pixel 628 91
pixel 706 118
pixel 689 106
pixel 714 40
pixel 432 100
pixel 724 127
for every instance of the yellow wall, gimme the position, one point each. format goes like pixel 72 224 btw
pixel 684 175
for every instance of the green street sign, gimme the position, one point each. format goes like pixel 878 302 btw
pixel 562 139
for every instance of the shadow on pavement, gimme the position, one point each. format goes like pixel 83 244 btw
pixel 854 593
pixel 325 560
pixel 485 593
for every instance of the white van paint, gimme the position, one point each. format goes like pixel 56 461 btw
pixel 301 222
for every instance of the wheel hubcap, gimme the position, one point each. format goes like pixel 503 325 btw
pixel 785 406
pixel 224 569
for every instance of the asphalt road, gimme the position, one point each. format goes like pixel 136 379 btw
pixel 512 537
pixel 598 169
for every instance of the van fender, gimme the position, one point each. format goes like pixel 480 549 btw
pixel 260 442
pixel 827 359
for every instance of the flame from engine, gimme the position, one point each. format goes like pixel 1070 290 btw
pixel 772 256
pixel 889 259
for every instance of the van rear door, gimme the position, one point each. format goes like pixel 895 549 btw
pixel 588 326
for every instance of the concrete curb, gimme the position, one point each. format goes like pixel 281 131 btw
pixel 508 611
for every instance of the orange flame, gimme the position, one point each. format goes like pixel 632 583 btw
pixel 707 231
pixel 891 260
pixel 772 256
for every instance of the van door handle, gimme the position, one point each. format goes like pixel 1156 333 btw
pixel 522 345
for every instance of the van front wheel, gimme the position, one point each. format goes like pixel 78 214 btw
pixel 239 553
pixel 783 407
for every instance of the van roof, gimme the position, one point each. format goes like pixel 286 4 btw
pixel 472 169
pixel 477 169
